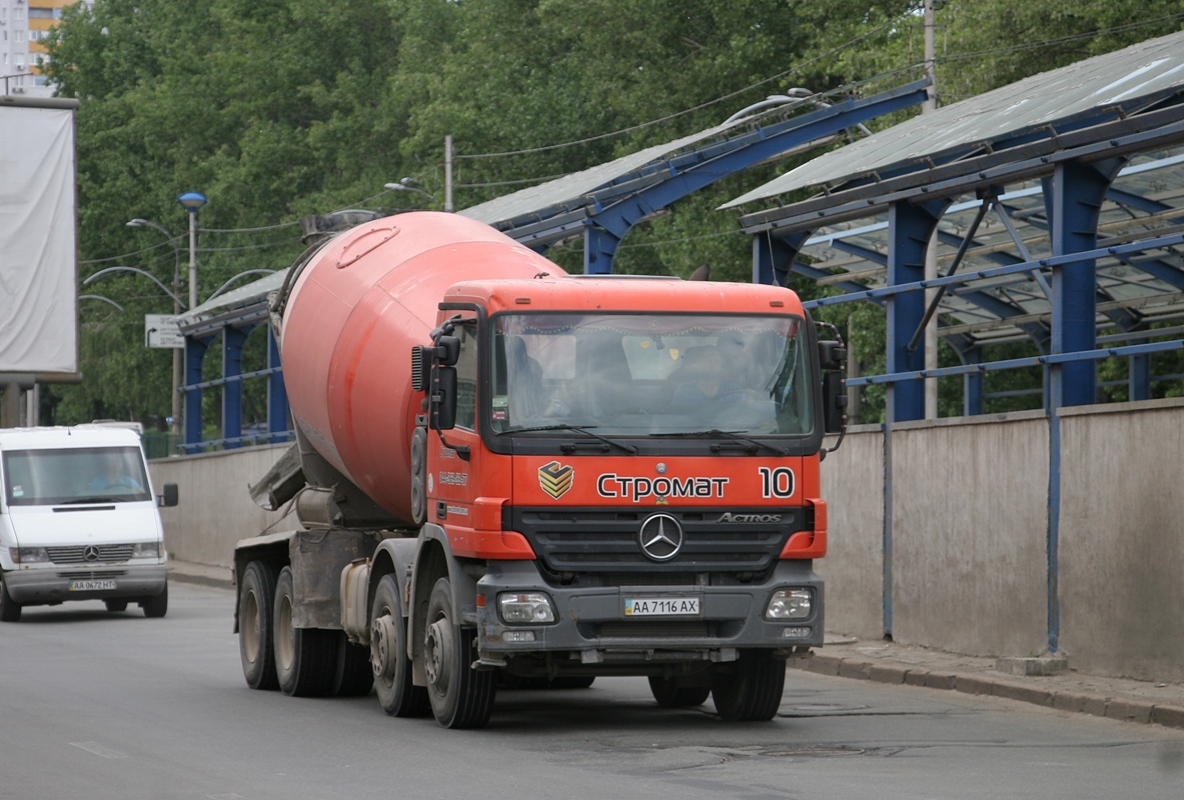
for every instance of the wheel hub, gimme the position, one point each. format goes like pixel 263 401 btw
pixel 382 647
pixel 437 654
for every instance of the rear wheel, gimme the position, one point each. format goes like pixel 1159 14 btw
pixel 305 658
pixel 391 667
pixel 116 605
pixel 255 599
pixel 10 611
pixel 354 678
pixel 461 696
pixel 670 694
pixel 157 606
pixel 751 690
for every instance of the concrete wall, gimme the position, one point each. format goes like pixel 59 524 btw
pixel 970 525
pixel 215 509
pixel 1122 540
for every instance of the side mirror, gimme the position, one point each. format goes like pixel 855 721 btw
pixel 442 406
pixel 831 355
pixel 834 402
pixel 170 496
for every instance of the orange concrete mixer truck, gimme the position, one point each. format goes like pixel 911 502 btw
pixel 505 475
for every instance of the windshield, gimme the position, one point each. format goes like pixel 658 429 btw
pixel 624 374
pixel 75 475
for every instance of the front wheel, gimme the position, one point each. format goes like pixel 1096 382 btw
pixel 305 658
pixel 157 606
pixel 255 597
pixel 461 697
pixel 10 611
pixel 751 690
pixel 397 694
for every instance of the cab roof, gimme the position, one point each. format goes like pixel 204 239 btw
pixel 625 293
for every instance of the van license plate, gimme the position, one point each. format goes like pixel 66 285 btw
pixel 662 606
pixel 91 586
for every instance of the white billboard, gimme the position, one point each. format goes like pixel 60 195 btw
pixel 38 241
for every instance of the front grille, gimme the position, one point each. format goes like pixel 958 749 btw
pixel 86 575
pixel 107 553
pixel 607 541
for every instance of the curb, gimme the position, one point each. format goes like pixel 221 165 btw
pixel 1111 707
pixel 219 578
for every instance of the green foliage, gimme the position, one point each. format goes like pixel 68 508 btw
pixel 279 108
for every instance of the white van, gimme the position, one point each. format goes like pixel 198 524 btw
pixel 78 520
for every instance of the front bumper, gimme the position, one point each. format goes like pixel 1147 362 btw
pixel 50 586
pixel 593 628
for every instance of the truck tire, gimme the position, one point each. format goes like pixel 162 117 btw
pixel 255 598
pixel 156 607
pixel 116 604
pixel 751 691
pixel 670 694
pixel 391 667
pixel 10 611
pixel 461 697
pixel 305 658
pixel 353 677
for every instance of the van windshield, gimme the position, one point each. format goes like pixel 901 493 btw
pixel 75 475
pixel 671 374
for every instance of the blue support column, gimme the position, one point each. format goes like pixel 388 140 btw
pixel 232 391
pixel 277 394
pixel 1139 378
pixel 195 353
pixel 772 256
pixel 600 247
pixel 909 228
pixel 972 384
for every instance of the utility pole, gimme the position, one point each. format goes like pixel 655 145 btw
pixel 929 106
pixel 448 173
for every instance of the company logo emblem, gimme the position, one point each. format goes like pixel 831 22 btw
pixel 730 517
pixel 556 479
pixel 90 553
pixel 660 537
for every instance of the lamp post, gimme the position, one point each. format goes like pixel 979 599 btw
pixel 191 202
pixel 175 409
pixel 408 185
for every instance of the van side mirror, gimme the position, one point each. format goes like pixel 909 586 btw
pixel 170 496
pixel 442 399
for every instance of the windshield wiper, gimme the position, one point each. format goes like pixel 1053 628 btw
pixel 755 443
pixel 628 448
pixel 89 500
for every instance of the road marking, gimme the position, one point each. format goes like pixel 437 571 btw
pixel 226 797
pixel 98 749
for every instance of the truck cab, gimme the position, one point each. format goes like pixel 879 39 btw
pixel 78 520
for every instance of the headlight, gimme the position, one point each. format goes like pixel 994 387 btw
pixel 525 607
pixel 28 555
pixel 790 604
pixel 146 550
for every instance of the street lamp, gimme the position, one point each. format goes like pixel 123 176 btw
pixel 177 307
pixel 408 185
pixel 191 202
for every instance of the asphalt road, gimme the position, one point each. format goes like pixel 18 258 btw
pixel 98 705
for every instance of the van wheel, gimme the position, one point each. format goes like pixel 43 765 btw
pixel 461 696
pixel 391 667
pixel 155 607
pixel 751 691
pixel 305 658
pixel 10 611
pixel 116 605
pixel 255 598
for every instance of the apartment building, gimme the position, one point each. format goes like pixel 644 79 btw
pixel 24 24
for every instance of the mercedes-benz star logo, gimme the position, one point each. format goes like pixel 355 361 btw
pixel 660 537
pixel 90 553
